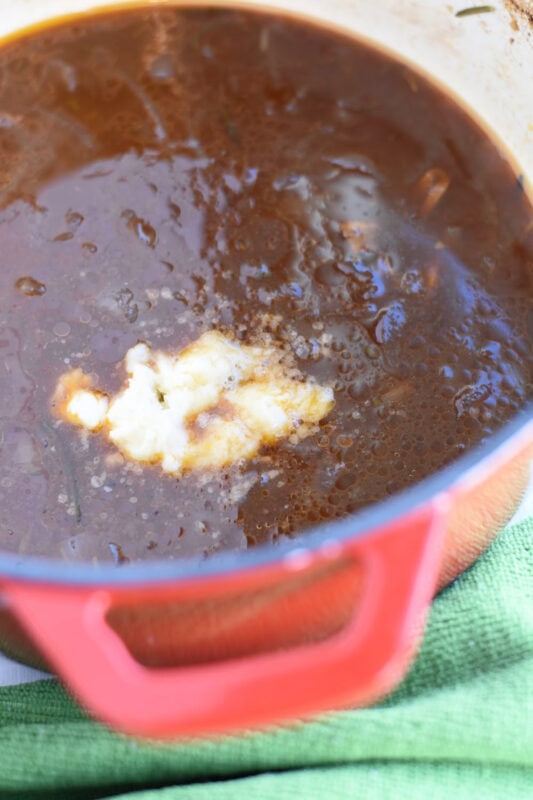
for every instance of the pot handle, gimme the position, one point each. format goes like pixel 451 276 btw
pixel 355 666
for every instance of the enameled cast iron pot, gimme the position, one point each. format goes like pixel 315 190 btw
pixel 167 649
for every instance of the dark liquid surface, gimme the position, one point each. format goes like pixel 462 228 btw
pixel 164 172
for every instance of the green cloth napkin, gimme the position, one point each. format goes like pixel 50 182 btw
pixel 460 726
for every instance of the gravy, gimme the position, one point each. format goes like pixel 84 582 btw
pixel 165 172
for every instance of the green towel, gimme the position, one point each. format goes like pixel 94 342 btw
pixel 460 725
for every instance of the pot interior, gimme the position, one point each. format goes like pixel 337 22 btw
pixel 395 210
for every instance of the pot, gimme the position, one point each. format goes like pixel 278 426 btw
pixel 166 649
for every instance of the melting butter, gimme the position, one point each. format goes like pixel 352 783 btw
pixel 214 403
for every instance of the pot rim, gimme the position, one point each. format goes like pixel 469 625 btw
pixel 364 522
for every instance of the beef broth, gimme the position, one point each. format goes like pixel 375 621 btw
pixel 166 172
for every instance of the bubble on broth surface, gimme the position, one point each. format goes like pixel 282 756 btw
pixel 30 286
pixel 142 229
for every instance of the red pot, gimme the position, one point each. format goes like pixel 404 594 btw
pixel 166 649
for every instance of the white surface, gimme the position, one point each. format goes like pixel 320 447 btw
pixel 12 673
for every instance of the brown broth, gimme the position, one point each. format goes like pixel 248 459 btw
pixel 168 171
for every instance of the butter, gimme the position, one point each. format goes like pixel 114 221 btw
pixel 88 409
pixel 214 403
